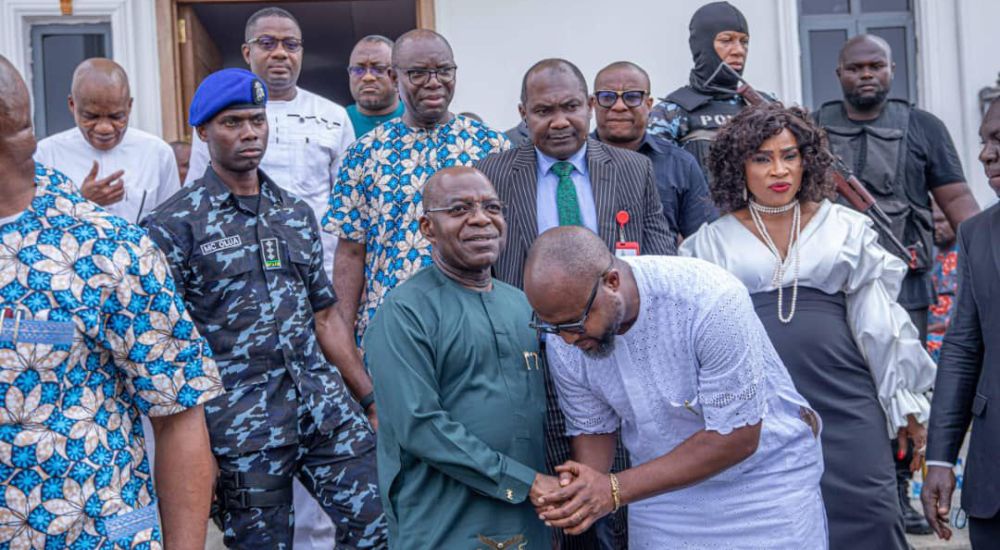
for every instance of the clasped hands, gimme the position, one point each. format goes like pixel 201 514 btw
pixel 573 501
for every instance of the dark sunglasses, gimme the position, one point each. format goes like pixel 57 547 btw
pixel 359 71
pixel 608 98
pixel 575 327
pixel 269 43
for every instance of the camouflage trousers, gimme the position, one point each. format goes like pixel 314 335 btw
pixel 337 468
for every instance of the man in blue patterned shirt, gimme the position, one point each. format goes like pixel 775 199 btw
pixel 376 203
pixel 92 336
pixel 248 258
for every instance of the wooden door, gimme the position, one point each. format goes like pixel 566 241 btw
pixel 199 56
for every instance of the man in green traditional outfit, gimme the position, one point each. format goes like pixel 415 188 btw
pixel 458 386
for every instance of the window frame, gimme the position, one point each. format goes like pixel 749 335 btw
pixel 855 23
pixel 37 32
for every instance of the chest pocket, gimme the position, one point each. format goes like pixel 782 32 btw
pixel 314 140
pixel 33 350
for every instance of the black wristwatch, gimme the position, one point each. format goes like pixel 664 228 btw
pixel 367 401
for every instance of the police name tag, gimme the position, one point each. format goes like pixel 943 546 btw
pixel 221 244
pixel 270 253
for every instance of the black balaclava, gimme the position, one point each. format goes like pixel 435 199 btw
pixel 706 23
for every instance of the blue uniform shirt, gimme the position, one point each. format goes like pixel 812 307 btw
pixel 252 281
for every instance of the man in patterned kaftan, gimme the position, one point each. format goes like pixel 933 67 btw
pixel 376 204
pixel 92 337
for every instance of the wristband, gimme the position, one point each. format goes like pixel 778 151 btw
pixel 367 401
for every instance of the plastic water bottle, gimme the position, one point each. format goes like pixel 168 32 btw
pixel 916 487
pixel 959 474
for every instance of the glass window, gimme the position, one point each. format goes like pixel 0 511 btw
pixel 824 48
pixel 825 7
pixel 56 51
pixel 873 6
pixel 896 37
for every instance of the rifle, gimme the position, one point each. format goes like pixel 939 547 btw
pixel 848 185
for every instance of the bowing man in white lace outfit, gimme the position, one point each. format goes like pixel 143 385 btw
pixel 825 291
pixel 670 352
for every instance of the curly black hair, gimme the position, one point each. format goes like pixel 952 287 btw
pixel 745 133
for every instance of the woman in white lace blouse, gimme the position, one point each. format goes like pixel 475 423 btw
pixel 826 292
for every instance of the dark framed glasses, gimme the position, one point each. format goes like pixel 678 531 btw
pixel 270 43
pixel 463 209
pixel 420 77
pixel 608 98
pixel 359 71
pixel 575 327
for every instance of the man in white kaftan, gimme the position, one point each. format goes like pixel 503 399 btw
pixel 725 452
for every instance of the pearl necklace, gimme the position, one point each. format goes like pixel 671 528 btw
pixel 793 248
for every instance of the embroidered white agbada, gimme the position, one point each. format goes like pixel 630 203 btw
pixel 698 358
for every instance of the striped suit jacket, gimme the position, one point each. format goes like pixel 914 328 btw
pixel 620 180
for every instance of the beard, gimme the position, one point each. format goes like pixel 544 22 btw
pixel 606 343
pixel 864 103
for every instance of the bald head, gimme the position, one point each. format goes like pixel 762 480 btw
pixel 13 94
pixel 444 184
pixel 17 140
pixel 567 257
pixel 101 102
pixel 98 75
pixel 410 39
pixel 865 43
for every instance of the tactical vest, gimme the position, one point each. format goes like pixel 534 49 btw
pixel 877 153
pixel 705 117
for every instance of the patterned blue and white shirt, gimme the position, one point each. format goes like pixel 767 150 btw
pixel 377 198
pixel 92 336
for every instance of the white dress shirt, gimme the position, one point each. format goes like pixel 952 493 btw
pixel 307 138
pixel 150 176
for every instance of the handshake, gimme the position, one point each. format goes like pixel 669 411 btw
pixel 576 499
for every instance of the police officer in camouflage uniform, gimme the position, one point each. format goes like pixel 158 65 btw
pixel 248 261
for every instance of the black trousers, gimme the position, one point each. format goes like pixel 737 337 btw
pixel 984 533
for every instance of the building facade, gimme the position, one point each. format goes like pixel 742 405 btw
pixel 942 49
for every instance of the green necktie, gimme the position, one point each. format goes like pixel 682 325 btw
pixel 566 202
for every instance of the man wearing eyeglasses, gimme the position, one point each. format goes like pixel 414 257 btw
pixel 669 353
pixel 375 97
pixel 307 138
pixel 563 178
pixel 309 133
pixel 377 200
pixel 459 386
pixel 621 103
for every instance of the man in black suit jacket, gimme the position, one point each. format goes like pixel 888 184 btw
pixel 968 379
pixel 563 178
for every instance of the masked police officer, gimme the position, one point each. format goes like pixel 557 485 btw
pixel 248 260
pixel 691 115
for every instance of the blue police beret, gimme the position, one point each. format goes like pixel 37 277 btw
pixel 226 89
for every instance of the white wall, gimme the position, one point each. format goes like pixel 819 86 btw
pixel 133 44
pixel 495 42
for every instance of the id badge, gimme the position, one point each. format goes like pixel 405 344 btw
pixel 624 249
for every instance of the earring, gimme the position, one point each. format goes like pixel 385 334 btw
pixel 744 194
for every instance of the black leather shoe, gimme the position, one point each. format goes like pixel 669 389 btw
pixel 913 521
